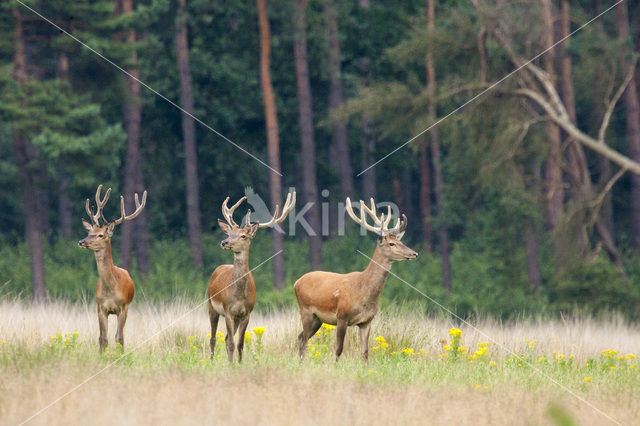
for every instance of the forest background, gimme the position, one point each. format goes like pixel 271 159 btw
pixel 526 200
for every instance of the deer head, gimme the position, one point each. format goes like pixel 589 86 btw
pixel 100 234
pixel 389 243
pixel 239 238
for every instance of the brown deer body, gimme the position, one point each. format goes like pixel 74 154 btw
pixel 351 299
pixel 232 290
pixel 115 288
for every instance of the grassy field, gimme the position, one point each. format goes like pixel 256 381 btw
pixel 421 370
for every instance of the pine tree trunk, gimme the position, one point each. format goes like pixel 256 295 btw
pixel 553 174
pixel 64 209
pixel 273 141
pixel 368 141
pixel 581 186
pixel 577 159
pixel 341 155
pixel 189 138
pixel 306 132
pixel 533 262
pixel 132 112
pixel 632 115
pixel 26 155
pixel 64 204
pixel 435 152
pixel 425 196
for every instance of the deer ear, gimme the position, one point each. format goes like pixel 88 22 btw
pixel 380 239
pixel 224 226
pixel 110 228
pixel 253 228
pixel 87 225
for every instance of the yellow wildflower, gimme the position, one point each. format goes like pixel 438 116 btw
pixel 209 335
pixel 380 339
pixel 408 351
pixel 247 336
pixel 455 332
pixel 259 330
pixel 492 363
pixel 375 348
pixel 587 379
pixel 328 327
pixel 384 345
pixel 447 347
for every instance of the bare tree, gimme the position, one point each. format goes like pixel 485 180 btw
pixel 189 137
pixel 273 139
pixel 632 115
pixel 305 119
pixel 538 86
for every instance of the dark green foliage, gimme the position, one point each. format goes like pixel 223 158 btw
pixel 492 163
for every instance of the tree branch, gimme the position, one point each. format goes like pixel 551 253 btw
pixel 612 103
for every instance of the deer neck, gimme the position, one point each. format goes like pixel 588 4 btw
pixel 241 272
pixel 105 264
pixel 374 276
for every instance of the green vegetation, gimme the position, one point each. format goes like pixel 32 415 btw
pixel 481 288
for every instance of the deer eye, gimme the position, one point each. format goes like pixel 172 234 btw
pixel 100 235
pixel 392 244
pixel 243 236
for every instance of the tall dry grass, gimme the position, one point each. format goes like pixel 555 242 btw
pixel 278 389
pixel 157 325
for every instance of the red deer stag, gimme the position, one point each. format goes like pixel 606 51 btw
pixel 115 287
pixel 232 290
pixel 351 299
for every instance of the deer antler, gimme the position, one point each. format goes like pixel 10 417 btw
pixel 99 205
pixel 288 205
pixel 139 207
pixel 228 212
pixel 382 222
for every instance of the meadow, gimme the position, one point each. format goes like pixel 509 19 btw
pixel 422 369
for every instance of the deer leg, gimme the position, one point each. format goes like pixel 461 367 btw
pixel 364 339
pixel 310 324
pixel 231 330
pixel 122 319
pixel 213 319
pixel 104 324
pixel 241 330
pixel 341 331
